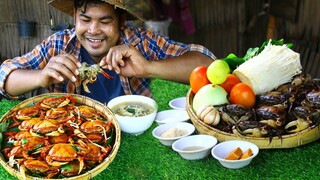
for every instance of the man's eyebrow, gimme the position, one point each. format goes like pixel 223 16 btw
pixel 102 18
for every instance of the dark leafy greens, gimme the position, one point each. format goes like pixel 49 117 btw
pixel 234 61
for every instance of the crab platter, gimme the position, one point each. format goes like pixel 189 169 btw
pixel 273 103
pixel 58 135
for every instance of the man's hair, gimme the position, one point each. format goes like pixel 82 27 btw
pixel 84 3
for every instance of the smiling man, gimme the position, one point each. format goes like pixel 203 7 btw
pixel 130 56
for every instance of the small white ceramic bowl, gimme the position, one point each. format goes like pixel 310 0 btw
pixel 174 128
pixel 134 125
pixel 172 115
pixel 178 103
pixel 221 150
pixel 195 146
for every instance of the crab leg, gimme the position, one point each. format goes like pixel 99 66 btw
pixel 105 74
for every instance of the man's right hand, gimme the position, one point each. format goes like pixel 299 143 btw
pixel 59 69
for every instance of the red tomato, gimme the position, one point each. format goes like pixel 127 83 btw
pixel 198 78
pixel 242 94
pixel 230 82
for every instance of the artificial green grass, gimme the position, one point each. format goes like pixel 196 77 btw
pixel 144 157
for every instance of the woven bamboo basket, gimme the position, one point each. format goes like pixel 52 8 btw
pixel 79 100
pixel 286 141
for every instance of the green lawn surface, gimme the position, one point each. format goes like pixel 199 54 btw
pixel 144 157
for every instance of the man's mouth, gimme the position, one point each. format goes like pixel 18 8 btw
pixel 94 40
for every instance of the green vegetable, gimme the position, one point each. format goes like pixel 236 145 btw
pixel 76 148
pixel 66 167
pixel 234 61
pixel 24 141
pixel 131 110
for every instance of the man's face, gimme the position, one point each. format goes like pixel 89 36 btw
pixel 97 29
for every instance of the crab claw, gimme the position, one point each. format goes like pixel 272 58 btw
pixel 297 125
pixel 85 86
pixel 280 121
pixel 269 122
pixel 81 164
pixel 56 163
pixel 105 74
pixel 11 161
pixel 253 132
pixel 22 170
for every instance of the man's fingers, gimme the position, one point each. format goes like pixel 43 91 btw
pixel 70 57
pixel 65 67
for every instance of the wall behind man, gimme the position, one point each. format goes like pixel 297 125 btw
pixel 223 26
pixel 13 11
pixel 228 26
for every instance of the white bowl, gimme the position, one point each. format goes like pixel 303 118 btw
pixel 134 125
pixel 178 103
pixel 172 115
pixel 221 150
pixel 195 146
pixel 167 141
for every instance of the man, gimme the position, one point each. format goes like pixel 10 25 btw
pixel 131 57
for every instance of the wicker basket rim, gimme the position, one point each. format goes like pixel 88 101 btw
pixel 300 138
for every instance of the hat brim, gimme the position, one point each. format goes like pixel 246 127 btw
pixel 66 6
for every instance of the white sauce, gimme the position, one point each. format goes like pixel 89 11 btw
pixel 174 132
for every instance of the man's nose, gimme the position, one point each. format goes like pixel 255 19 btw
pixel 94 28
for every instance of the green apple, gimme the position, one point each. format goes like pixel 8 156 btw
pixel 210 94
pixel 218 71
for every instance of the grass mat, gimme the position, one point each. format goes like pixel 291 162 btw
pixel 144 157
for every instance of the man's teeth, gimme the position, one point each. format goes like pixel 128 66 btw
pixel 95 40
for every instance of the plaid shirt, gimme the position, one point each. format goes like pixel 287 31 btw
pixel 152 47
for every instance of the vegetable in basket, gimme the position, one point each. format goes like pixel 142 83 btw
pixel 234 61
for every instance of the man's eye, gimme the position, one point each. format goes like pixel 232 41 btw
pixel 85 20
pixel 105 22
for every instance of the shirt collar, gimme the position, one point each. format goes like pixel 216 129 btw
pixel 73 36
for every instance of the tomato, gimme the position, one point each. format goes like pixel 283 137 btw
pixel 242 94
pixel 198 78
pixel 230 82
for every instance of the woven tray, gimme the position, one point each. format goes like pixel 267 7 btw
pixel 80 100
pixel 287 141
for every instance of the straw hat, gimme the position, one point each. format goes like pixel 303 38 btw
pixel 67 6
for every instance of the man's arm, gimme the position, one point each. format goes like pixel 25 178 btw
pixel 58 69
pixel 128 61
pixel 178 69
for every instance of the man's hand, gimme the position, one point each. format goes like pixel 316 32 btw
pixel 58 69
pixel 126 60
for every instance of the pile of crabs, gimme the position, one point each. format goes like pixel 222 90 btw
pixel 57 138
pixel 290 108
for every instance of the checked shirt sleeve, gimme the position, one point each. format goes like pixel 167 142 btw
pixel 36 59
